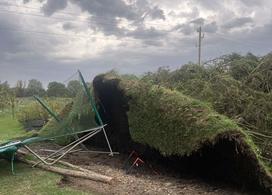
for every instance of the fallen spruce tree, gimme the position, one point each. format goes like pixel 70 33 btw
pixel 185 131
pixel 181 127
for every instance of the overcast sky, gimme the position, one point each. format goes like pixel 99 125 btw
pixel 51 39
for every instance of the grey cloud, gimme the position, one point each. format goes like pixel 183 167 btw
pixel 11 41
pixel 198 21
pixel 237 23
pixel 26 1
pixel 18 43
pixel 253 2
pixel 156 43
pixel 107 8
pixel 51 6
pixel 210 27
pixel 193 14
pixel 68 26
pixel 186 29
pixel 191 27
pixel 209 4
pixel 104 15
pixel 108 25
pixel 144 9
pixel 157 13
pixel 74 27
pixel 151 33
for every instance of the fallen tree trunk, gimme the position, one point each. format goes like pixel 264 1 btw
pixel 74 166
pixel 67 164
pixel 80 174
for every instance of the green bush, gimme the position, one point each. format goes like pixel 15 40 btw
pixel 29 110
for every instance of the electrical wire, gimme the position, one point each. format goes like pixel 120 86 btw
pixel 103 21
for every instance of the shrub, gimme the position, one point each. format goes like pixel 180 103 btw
pixel 30 110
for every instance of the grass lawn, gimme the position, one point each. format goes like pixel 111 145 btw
pixel 26 180
pixel 9 128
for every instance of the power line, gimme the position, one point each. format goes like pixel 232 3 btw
pixel 38 8
pixel 39 33
pixel 59 19
pixel 46 33
pixel 103 21
pixel 42 16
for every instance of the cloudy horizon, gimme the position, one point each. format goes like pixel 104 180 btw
pixel 52 39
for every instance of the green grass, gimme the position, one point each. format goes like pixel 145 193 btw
pixel 26 180
pixel 9 128
pixel 30 181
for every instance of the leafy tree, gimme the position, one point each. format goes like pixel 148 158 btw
pixel 73 87
pixel 56 89
pixel 232 57
pixel 260 78
pixel 4 91
pixel 20 89
pixel 159 77
pixel 7 97
pixel 252 57
pixel 35 88
pixel 240 69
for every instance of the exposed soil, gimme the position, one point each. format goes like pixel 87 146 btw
pixel 140 180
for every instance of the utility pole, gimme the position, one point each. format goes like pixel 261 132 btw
pixel 200 37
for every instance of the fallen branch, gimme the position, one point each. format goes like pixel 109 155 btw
pixel 268 159
pixel 80 174
pixel 259 134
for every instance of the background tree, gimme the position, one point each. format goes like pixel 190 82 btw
pixel 7 97
pixel 20 89
pixel 56 89
pixel 35 87
pixel 12 101
pixel 4 90
pixel 73 87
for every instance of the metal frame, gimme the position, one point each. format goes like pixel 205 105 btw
pixel 60 153
pixel 92 104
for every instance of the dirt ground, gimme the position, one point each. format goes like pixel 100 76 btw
pixel 139 180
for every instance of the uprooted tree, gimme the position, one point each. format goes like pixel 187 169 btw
pixel 202 118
